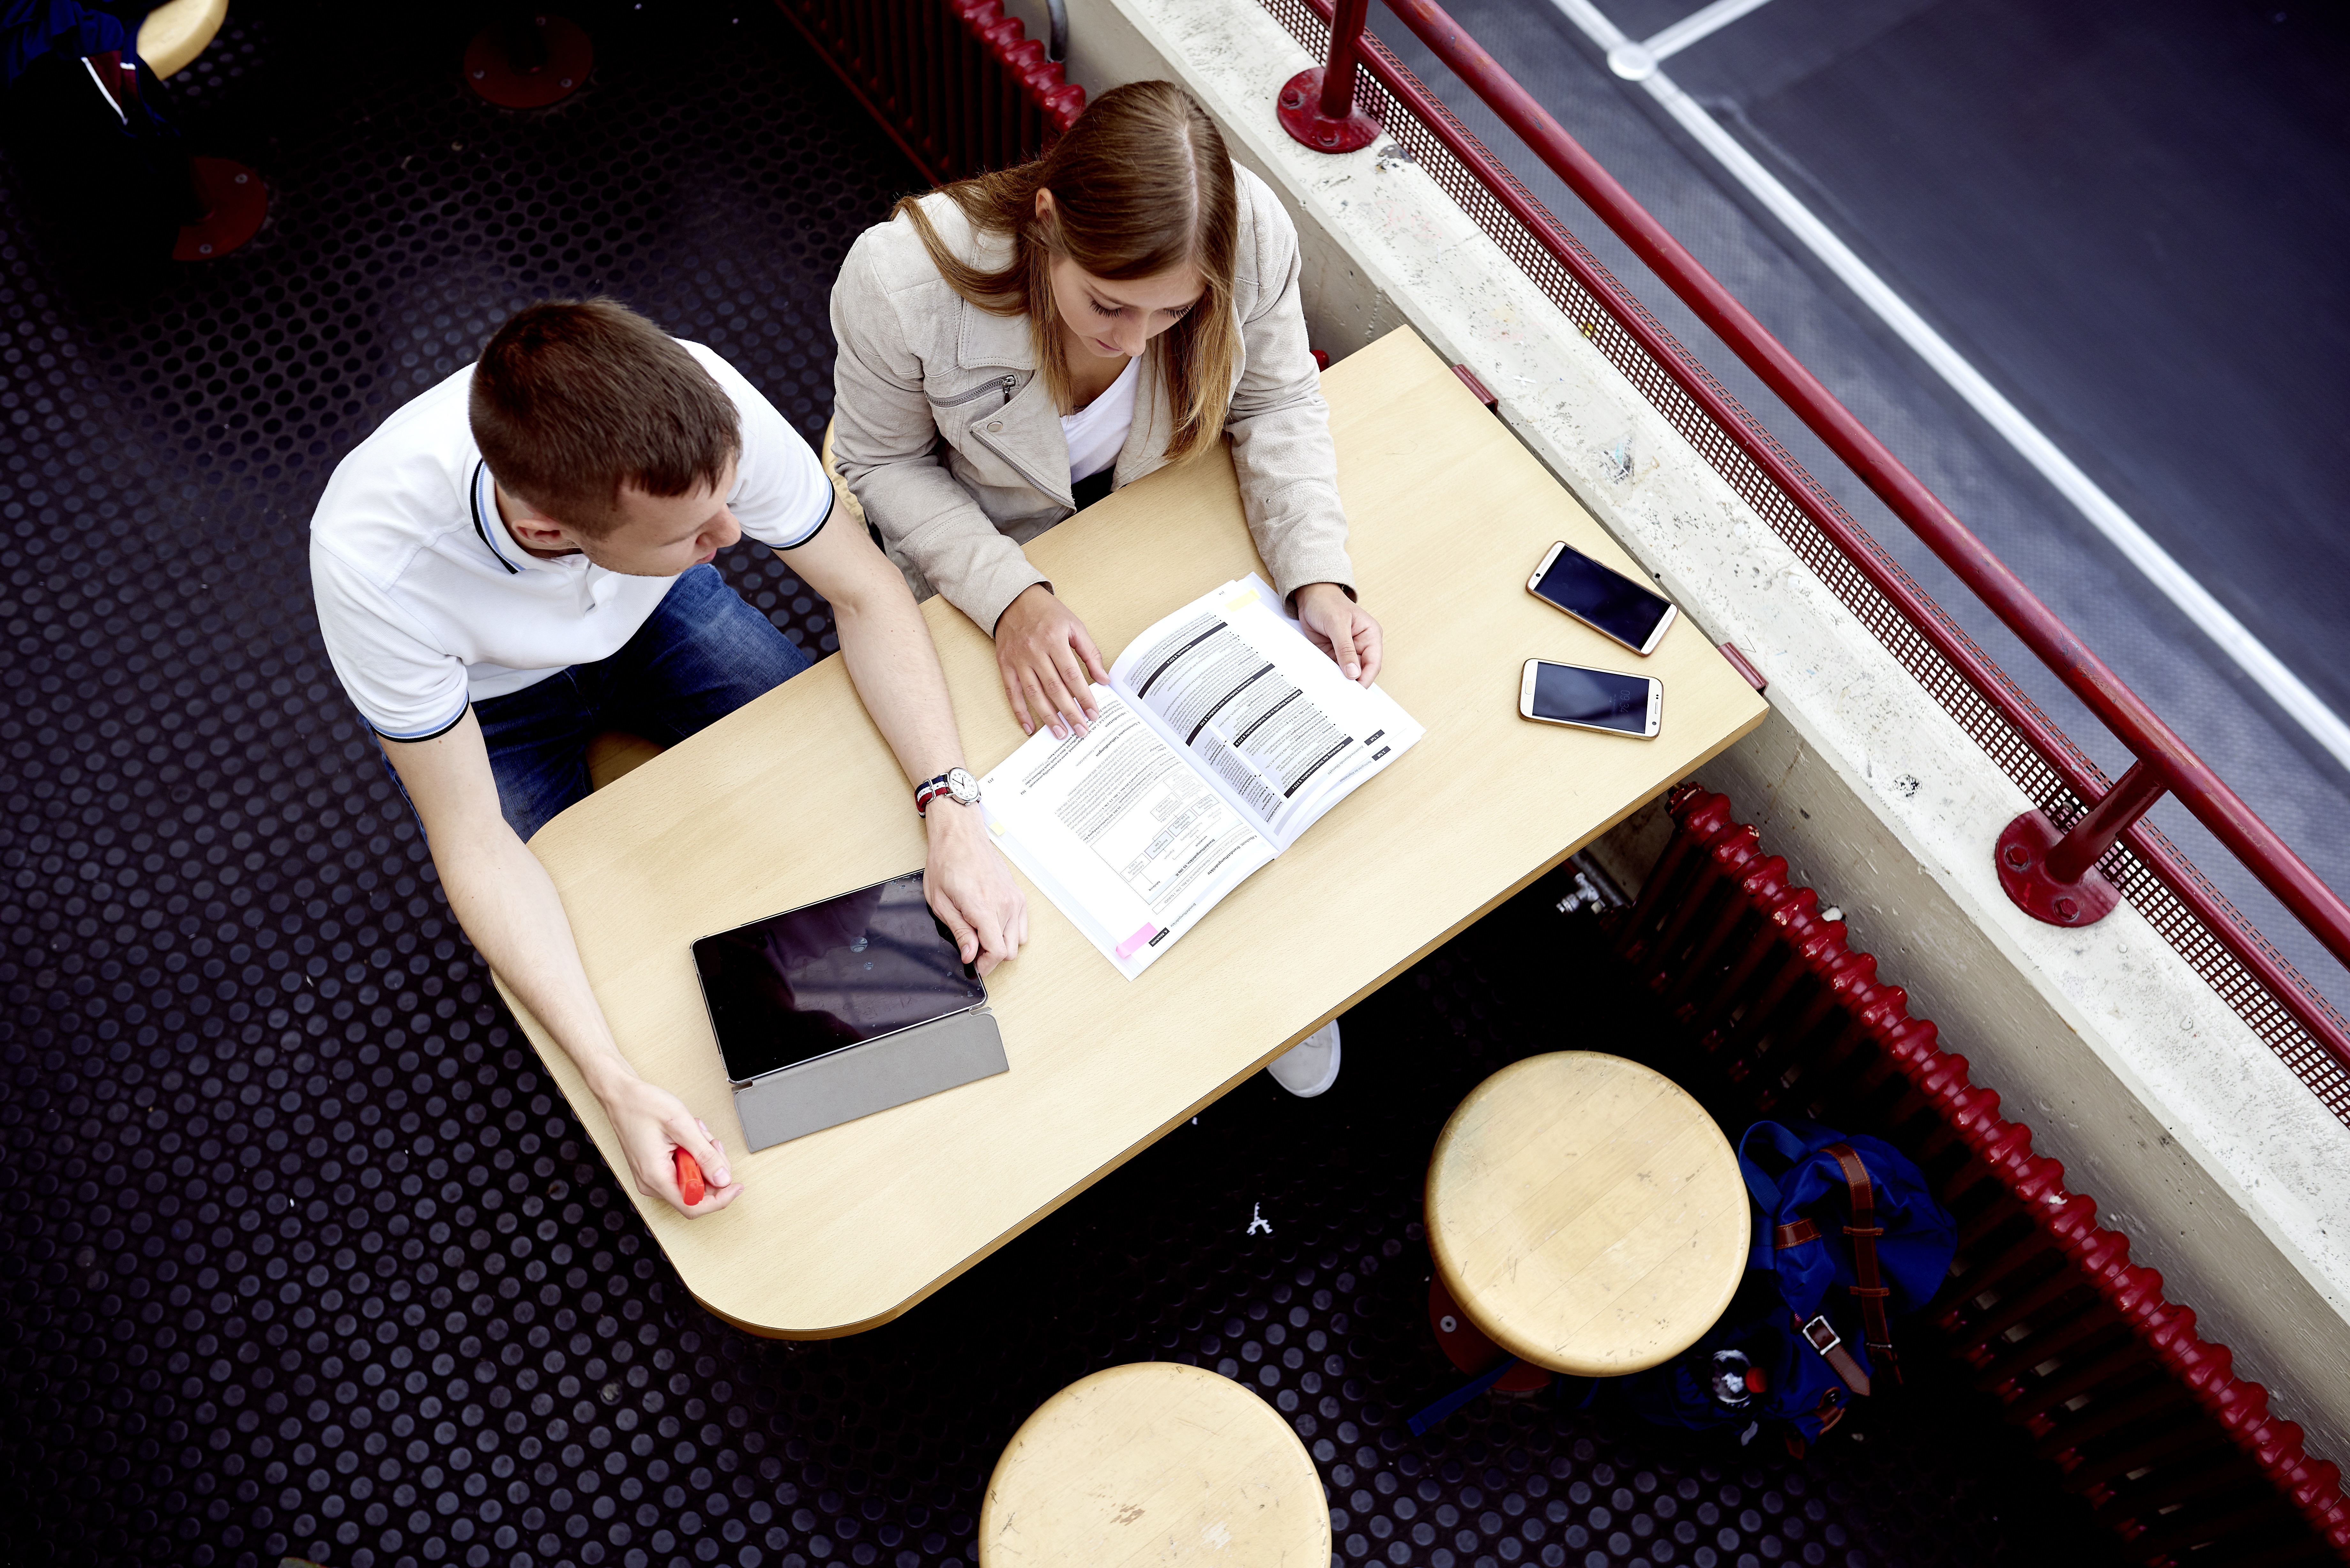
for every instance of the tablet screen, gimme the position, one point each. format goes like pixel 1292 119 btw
pixel 796 986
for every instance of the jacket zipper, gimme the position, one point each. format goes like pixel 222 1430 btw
pixel 1022 469
pixel 1002 384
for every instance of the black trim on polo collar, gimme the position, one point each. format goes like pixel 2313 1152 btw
pixel 473 494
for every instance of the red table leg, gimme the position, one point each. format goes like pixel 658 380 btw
pixel 530 62
pixel 1466 1346
pixel 235 201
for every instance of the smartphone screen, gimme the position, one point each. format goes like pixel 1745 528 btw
pixel 1603 598
pixel 796 986
pixel 1574 695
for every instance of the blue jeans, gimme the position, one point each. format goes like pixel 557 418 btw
pixel 702 655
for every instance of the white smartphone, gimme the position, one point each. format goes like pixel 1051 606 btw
pixel 1583 698
pixel 1602 598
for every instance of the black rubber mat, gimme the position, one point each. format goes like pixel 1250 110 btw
pixel 302 1257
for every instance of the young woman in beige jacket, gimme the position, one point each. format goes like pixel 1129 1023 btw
pixel 1016 346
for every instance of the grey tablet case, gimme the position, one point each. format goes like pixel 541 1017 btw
pixel 943 1054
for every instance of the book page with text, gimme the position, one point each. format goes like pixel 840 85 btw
pixel 1263 712
pixel 1129 842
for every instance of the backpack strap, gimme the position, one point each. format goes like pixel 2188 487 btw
pixel 1791 1148
pixel 1868 1287
pixel 1759 1185
pixel 1822 1336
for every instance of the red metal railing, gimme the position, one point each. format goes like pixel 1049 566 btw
pixel 2139 1412
pixel 2112 847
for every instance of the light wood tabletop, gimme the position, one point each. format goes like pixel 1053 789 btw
pixel 1586 1213
pixel 1155 1462
pixel 794 798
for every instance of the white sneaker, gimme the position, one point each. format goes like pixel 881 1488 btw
pixel 1310 1066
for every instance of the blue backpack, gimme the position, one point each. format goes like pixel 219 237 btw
pixel 1848 1231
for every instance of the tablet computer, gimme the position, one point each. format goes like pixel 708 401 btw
pixel 829 976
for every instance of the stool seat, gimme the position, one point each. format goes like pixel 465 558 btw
pixel 175 33
pixel 840 486
pixel 1158 1463
pixel 1586 1213
pixel 614 754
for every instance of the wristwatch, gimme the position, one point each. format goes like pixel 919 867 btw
pixel 955 785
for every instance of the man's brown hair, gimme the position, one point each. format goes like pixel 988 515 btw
pixel 573 399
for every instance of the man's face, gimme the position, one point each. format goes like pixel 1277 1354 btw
pixel 656 536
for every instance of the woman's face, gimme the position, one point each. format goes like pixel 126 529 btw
pixel 1113 319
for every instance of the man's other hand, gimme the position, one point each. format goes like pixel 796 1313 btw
pixel 1341 628
pixel 969 886
pixel 652 1124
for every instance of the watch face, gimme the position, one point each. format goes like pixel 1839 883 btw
pixel 961 785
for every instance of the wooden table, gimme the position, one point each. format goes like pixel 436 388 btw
pixel 795 797
pixel 1586 1214
pixel 1155 1462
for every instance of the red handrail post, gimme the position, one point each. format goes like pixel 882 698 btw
pixel 1345 49
pixel 1316 106
pixel 2056 879
pixel 2105 821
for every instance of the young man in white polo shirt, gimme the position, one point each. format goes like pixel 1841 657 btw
pixel 520 558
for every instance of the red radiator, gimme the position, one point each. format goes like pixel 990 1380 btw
pixel 2111 1383
pixel 956 83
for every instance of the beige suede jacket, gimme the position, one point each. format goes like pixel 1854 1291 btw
pixel 946 433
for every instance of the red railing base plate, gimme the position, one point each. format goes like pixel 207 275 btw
pixel 235 203
pixel 2023 860
pixel 567 55
pixel 1301 115
pixel 1465 1345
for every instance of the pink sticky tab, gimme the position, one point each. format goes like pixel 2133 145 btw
pixel 1126 949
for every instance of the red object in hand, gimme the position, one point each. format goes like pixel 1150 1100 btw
pixel 690 1185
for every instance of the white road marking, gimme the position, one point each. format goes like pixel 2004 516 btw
pixel 1634 61
pixel 2195 601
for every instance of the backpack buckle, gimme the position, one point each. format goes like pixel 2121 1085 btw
pixel 1823 1338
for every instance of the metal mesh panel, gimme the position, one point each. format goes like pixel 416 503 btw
pixel 955 82
pixel 1601 319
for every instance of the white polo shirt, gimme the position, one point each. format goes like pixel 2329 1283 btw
pixel 427 604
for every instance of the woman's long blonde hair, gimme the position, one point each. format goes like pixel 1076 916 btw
pixel 1141 184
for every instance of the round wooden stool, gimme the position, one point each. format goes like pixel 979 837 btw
pixel 233 198
pixel 1586 1214
pixel 840 485
pixel 175 33
pixel 1154 1463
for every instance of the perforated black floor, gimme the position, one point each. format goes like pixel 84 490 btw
pixel 301 1256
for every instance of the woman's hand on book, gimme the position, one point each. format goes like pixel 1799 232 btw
pixel 1341 628
pixel 1049 663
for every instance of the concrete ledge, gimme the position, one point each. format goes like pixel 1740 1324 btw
pixel 2201 1146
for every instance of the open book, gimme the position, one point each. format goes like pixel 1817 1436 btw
pixel 1224 733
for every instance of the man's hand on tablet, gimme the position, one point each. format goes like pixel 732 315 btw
pixel 969 886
